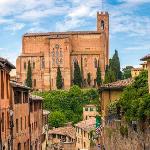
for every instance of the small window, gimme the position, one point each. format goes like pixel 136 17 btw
pixel 43 63
pixel 84 145
pixel 53 53
pixel 61 60
pixel 102 25
pixel 85 62
pixel 86 109
pixel 91 109
pixel 25 122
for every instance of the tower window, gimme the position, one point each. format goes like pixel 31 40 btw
pixel 33 65
pixel 102 24
pixel 34 82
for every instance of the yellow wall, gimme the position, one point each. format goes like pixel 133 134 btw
pixel 107 97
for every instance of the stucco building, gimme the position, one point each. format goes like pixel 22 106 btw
pixel 5 138
pixel 90 111
pixel 20 119
pixel 47 51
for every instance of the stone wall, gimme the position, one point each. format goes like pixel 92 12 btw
pixel 130 140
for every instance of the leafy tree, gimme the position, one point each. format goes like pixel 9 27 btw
pixel 59 82
pixel 29 76
pixel 77 75
pixel 89 79
pixel 57 119
pixel 69 103
pixel 98 76
pixel 135 100
pixel 127 72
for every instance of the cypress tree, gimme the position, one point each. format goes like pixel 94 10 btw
pixel 29 76
pixel 59 82
pixel 98 76
pixel 115 66
pixel 77 75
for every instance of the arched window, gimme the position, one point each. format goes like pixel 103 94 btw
pixel 61 55
pixel 33 65
pixel 43 63
pixel 102 24
pixel 95 63
pixel 25 66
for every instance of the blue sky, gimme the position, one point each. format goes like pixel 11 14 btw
pixel 129 23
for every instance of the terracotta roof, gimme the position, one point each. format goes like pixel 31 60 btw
pixel 16 84
pixel 87 125
pixel 117 85
pixel 145 57
pixel 52 34
pixel 67 131
pixel 35 97
pixel 4 62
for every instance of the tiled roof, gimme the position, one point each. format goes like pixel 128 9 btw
pixel 87 125
pixel 4 62
pixel 145 57
pixel 67 131
pixel 16 84
pixel 117 85
pixel 35 97
pixel 61 33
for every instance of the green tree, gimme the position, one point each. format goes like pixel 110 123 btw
pixel 98 76
pixel 59 82
pixel 77 75
pixel 115 65
pixel 127 72
pixel 89 79
pixel 29 76
pixel 57 119
pixel 109 75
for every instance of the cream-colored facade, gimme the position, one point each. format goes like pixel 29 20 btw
pixel 47 51
pixel 89 111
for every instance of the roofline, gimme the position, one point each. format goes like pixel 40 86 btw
pixel 15 85
pixel 6 62
pixel 61 33
pixel 145 58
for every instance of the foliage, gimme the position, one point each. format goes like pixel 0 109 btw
pixel 112 72
pixel 115 65
pixel 89 79
pixel 29 76
pixel 109 75
pixel 57 119
pixel 98 76
pixel 69 102
pixel 59 82
pixel 126 72
pixel 135 100
pixel 77 75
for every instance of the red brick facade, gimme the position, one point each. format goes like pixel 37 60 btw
pixel 47 51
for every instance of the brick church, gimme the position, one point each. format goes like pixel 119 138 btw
pixel 47 51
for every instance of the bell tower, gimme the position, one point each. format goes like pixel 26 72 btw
pixel 103 27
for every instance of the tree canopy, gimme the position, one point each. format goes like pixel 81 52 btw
pixel 127 72
pixel 135 100
pixel 69 103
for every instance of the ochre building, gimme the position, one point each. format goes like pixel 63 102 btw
pixel 47 51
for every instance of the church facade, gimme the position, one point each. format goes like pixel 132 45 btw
pixel 47 51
